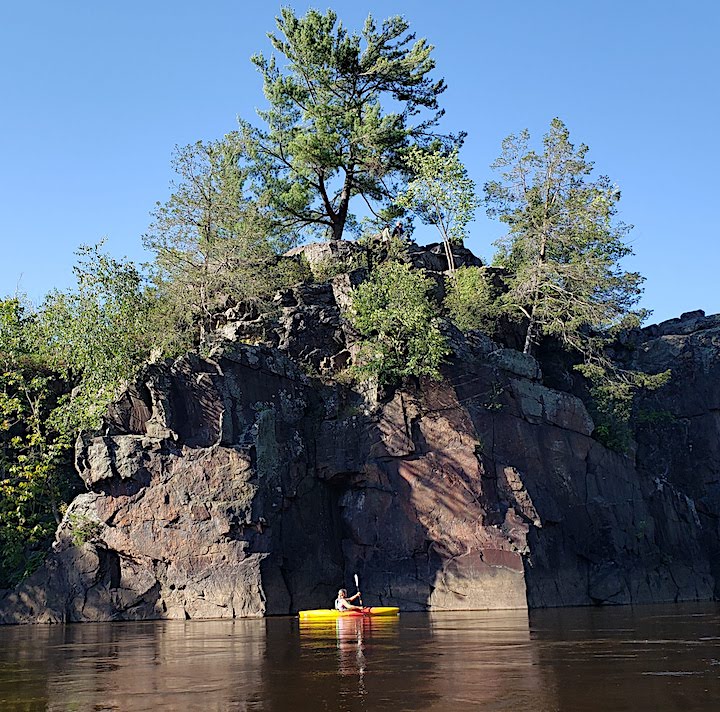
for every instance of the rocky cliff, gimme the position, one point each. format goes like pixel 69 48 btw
pixel 238 485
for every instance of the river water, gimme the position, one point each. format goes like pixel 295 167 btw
pixel 611 659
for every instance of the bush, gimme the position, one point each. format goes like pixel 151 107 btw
pixel 398 324
pixel 83 529
pixel 332 266
pixel 469 301
pixel 612 394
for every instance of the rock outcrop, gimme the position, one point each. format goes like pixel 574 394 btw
pixel 237 485
pixel 678 433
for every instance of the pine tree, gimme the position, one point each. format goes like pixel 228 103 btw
pixel 563 248
pixel 329 135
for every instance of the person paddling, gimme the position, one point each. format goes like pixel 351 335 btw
pixel 342 602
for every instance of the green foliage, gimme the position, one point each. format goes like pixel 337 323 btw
pixel 470 300
pixel 383 247
pixel 332 266
pixel 441 194
pixel 83 529
pixel 329 136
pixel 397 321
pixel 562 248
pixel 653 417
pixel 95 335
pixel 213 248
pixel 613 394
pixel 35 459
pixel 493 397
pixel 289 271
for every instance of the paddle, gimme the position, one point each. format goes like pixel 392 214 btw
pixel 357 587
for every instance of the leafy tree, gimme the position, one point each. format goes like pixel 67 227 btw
pixel 400 334
pixel 563 247
pixel 212 246
pixel 441 194
pixel 470 300
pixel 36 475
pixel 329 135
pixel 59 369
pixel 96 335
pixel 563 250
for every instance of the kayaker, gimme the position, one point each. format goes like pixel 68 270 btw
pixel 342 602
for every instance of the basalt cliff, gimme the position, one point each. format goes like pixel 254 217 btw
pixel 250 483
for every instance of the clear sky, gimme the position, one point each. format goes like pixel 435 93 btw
pixel 95 95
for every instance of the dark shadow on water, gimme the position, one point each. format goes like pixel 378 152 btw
pixel 660 657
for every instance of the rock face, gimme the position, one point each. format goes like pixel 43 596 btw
pixel 236 485
pixel 679 433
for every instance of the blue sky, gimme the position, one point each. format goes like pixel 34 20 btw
pixel 95 95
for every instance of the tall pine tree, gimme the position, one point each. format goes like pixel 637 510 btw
pixel 563 247
pixel 343 110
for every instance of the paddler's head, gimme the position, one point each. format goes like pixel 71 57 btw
pixel 342 593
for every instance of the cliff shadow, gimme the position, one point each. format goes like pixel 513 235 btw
pixel 423 522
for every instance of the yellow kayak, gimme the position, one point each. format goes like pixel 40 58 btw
pixel 331 613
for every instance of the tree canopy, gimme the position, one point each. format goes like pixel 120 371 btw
pixel 36 475
pixel 441 194
pixel 213 247
pixel 563 249
pixel 343 111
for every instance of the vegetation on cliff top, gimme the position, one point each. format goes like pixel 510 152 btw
pixel 351 118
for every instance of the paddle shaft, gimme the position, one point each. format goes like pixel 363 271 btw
pixel 357 587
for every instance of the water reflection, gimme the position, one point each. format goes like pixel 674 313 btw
pixel 651 658
pixel 351 635
pixel 343 664
pixel 213 665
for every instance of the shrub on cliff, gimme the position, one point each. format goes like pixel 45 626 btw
pixel 470 300
pixel 95 335
pixel 398 324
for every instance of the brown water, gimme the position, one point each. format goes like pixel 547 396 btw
pixel 650 658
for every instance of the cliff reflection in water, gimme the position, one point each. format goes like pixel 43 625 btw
pixel 213 665
pixel 650 658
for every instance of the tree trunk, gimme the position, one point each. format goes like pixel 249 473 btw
pixel 337 229
pixel 532 330
pixel 530 337
pixel 449 255
pixel 340 217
